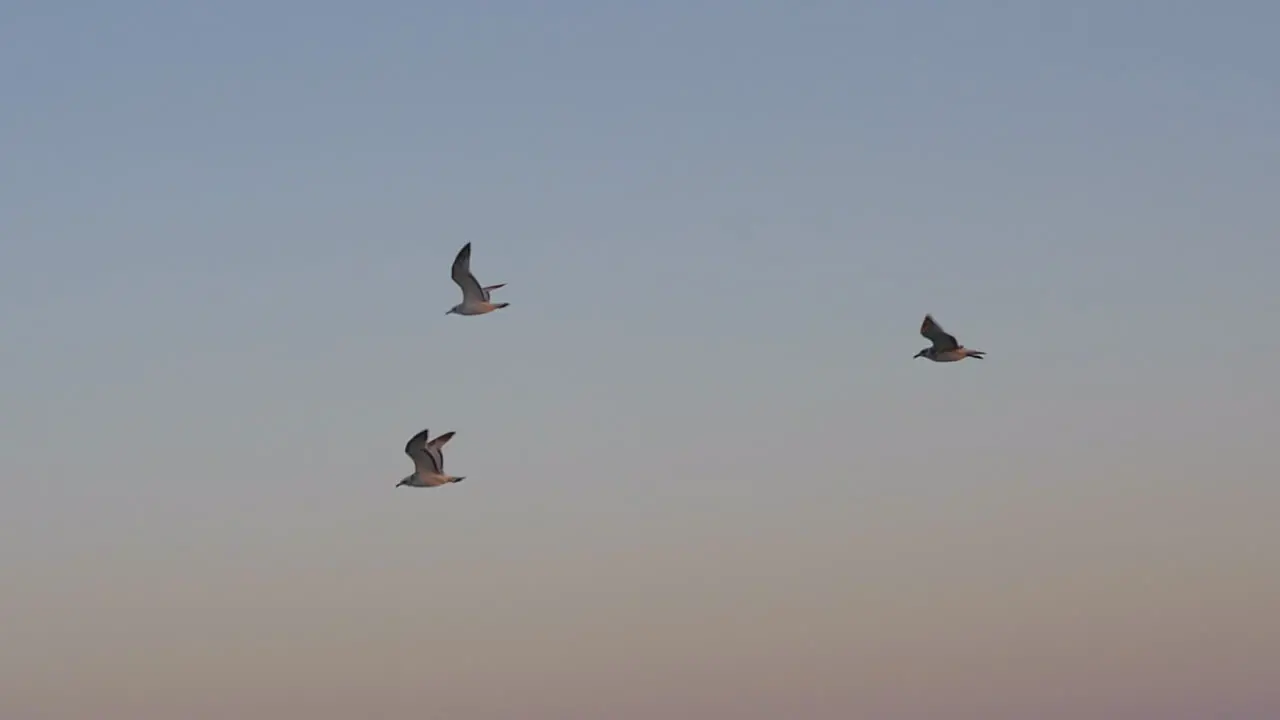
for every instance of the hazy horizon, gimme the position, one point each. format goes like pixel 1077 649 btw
pixel 705 477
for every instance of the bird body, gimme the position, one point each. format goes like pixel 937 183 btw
pixel 950 355
pixel 945 347
pixel 428 461
pixel 475 299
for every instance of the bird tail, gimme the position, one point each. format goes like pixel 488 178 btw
pixel 495 287
pixel 499 306
pixel 974 353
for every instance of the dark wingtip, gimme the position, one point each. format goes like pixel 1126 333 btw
pixel 421 434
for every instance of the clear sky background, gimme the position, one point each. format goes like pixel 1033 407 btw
pixel 706 479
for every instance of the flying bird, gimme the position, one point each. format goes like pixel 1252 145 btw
pixel 428 461
pixel 475 299
pixel 945 347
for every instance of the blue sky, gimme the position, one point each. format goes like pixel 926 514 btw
pixel 705 476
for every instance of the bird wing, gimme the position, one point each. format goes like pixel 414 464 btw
pixel 435 448
pixel 423 460
pixel 461 272
pixel 941 339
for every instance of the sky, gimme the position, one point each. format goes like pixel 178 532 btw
pixel 705 477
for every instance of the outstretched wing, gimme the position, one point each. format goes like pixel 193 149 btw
pixel 461 272
pixel 940 338
pixel 435 448
pixel 422 458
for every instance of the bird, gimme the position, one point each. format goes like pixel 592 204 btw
pixel 475 299
pixel 428 461
pixel 945 348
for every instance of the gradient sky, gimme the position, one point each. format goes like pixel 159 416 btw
pixel 706 479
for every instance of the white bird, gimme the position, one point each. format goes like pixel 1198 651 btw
pixel 428 461
pixel 475 299
pixel 945 347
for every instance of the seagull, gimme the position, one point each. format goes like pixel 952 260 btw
pixel 475 299
pixel 945 347
pixel 428 461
